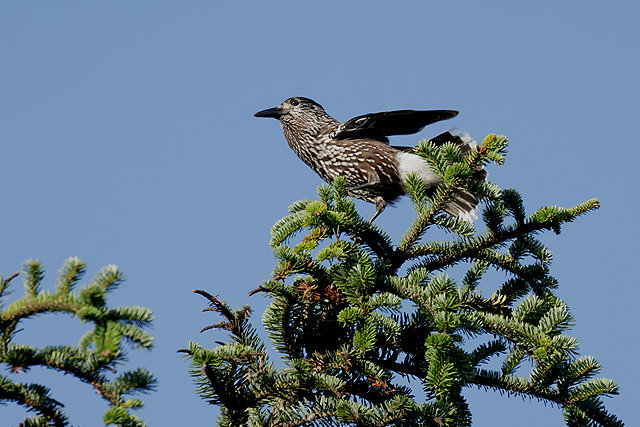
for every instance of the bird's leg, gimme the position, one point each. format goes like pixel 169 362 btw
pixel 372 179
pixel 380 205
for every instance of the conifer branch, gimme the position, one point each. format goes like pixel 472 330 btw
pixel 35 398
pixel 92 360
pixel 425 218
pixel 5 282
pixel 451 253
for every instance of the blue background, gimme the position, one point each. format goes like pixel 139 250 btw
pixel 127 137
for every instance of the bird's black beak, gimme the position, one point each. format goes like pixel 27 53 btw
pixel 275 112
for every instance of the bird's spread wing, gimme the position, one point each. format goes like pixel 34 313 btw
pixel 380 125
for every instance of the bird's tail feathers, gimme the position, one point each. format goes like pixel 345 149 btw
pixel 464 205
pixel 463 135
pixel 459 137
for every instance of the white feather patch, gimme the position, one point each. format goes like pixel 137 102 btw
pixel 408 163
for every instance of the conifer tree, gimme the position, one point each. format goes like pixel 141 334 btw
pixel 353 313
pixel 93 361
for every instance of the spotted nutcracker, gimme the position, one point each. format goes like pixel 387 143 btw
pixel 359 150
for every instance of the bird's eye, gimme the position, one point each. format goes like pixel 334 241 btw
pixel 294 102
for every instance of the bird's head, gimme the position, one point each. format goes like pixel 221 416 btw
pixel 297 106
pixel 299 113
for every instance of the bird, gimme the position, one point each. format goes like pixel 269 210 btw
pixel 358 150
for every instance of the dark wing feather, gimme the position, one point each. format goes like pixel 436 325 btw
pixel 380 125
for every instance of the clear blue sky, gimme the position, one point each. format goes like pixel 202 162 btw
pixel 127 137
